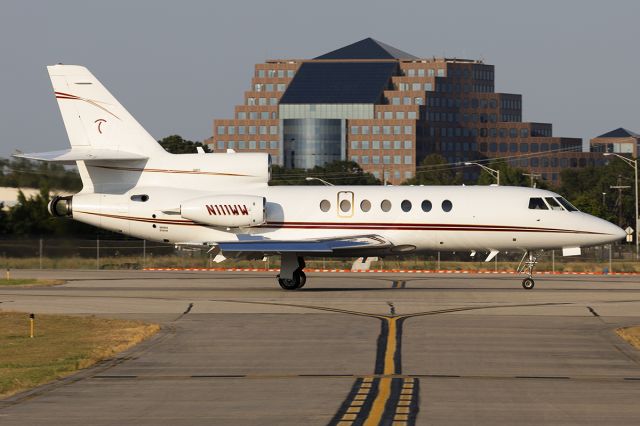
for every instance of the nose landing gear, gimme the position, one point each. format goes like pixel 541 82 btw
pixel 292 276
pixel 527 266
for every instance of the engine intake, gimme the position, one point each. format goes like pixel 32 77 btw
pixel 61 206
pixel 231 211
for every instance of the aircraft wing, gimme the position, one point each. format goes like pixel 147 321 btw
pixel 335 246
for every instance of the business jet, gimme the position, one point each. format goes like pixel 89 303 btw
pixel 223 202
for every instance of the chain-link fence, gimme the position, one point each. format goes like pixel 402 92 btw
pixel 139 254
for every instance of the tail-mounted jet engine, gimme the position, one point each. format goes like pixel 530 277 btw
pixel 61 206
pixel 231 211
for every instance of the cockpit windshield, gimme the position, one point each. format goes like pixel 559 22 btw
pixel 567 205
pixel 537 204
pixel 553 203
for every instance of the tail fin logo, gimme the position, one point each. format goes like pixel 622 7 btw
pixel 99 122
pixel 62 95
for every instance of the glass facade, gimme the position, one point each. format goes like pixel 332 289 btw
pixel 310 142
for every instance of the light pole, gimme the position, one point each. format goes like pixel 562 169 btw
pixel 633 164
pixel 532 176
pixel 308 178
pixel 493 172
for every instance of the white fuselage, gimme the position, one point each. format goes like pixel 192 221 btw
pixel 480 218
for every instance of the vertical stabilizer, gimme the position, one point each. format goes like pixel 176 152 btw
pixel 93 117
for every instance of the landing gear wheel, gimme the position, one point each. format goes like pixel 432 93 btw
pixel 303 279
pixel 288 284
pixel 528 283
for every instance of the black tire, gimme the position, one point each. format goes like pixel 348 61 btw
pixel 288 284
pixel 528 283
pixel 303 279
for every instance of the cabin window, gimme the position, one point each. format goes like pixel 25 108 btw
pixel 537 204
pixel 140 197
pixel 365 205
pixel 447 205
pixel 567 205
pixel 553 203
pixel 426 206
pixel 345 205
pixel 385 205
pixel 325 205
pixel 406 206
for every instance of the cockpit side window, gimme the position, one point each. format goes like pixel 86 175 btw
pixel 567 205
pixel 553 203
pixel 537 204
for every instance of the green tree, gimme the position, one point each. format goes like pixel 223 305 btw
pixel 434 170
pixel 175 144
pixel 509 176
pixel 337 173
pixel 584 188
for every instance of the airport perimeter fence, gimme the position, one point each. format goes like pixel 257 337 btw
pixel 139 254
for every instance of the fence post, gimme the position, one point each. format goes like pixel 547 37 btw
pixel 610 263
pixel 98 252
pixel 40 253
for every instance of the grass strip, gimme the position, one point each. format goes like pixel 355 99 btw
pixel 28 282
pixel 62 345
pixel 631 335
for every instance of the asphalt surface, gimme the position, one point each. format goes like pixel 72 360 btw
pixel 347 349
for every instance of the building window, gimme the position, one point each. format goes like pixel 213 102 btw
pixel 365 159
pixel 252 144
pixel 263 130
pixel 264 115
pixel 440 72
pixel 252 130
pixel 280 87
pixel 386 159
pixel 395 100
pixel 408 144
pixel 355 130
pixel 397 144
pixel 396 130
pixel 386 144
pixel 412 115
pixel 290 73
pixel 388 115
pixel 355 158
pixel 411 72
pixel 375 130
pixel 273 144
pixel 253 115
pixel 242 115
pixel 408 130
pixel 354 144
pixel 262 101
pixel 386 130
pixel 407 175
pixel 376 144
pixel 263 144
pixel 400 115
pixel 241 145
pixel 365 144
pixel 406 100
pixel 231 130
pixel 365 130
pixel 397 159
pixel 407 159
pixel 273 130
pixel 376 159
pixel 221 130
pixel 418 101
pixel 241 130
pixel 261 73
pixel 220 144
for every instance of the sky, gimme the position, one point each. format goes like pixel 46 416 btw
pixel 178 65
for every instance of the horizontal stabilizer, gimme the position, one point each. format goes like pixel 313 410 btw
pixel 325 246
pixel 81 154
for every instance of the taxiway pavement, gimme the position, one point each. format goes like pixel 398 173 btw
pixel 427 349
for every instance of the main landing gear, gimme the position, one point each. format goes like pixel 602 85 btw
pixel 292 276
pixel 526 266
